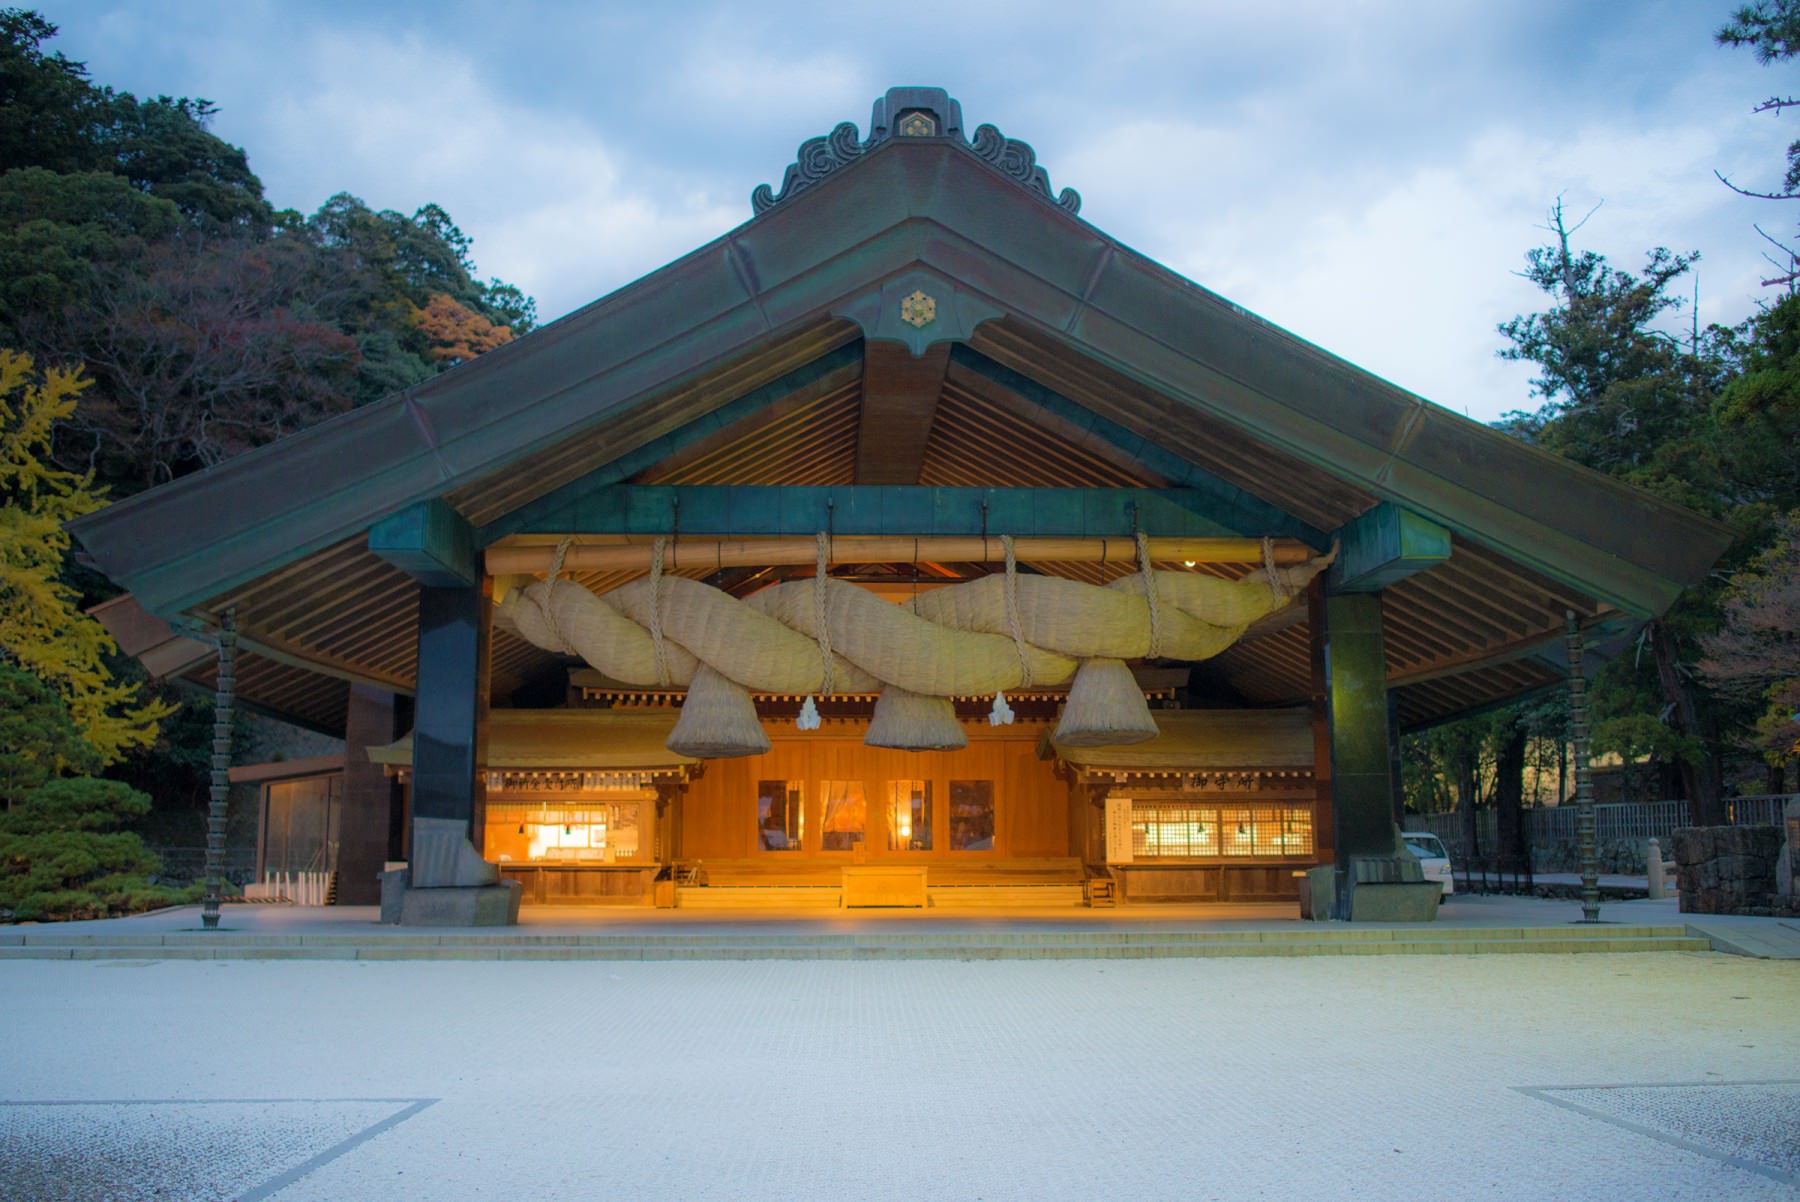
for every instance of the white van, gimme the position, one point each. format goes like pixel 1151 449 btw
pixel 1432 858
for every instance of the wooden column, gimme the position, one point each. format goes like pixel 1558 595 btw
pixel 371 797
pixel 450 706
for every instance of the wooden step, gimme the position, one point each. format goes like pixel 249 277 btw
pixel 758 897
pixel 1008 896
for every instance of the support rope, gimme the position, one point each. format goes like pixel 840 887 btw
pixel 1012 611
pixel 656 630
pixel 1150 595
pixel 823 627
pixel 556 566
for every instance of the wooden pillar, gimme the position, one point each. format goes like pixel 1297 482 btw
pixel 371 797
pixel 1324 842
pixel 1362 786
pixel 450 706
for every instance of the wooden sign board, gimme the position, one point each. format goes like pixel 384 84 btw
pixel 1118 830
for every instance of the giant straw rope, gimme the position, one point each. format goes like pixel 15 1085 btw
pixel 1000 632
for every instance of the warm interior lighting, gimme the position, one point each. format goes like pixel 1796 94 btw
pixel 598 832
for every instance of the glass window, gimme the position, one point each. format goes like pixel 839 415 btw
pixel 971 815
pixel 1173 830
pixel 583 831
pixel 1178 829
pixel 846 814
pixel 909 815
pixel 780 815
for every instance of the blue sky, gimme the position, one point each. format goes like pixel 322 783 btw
pixel 1368 175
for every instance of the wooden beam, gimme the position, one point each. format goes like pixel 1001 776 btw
pixel 715 554
pixel 1242 511
pixel 886 509
pixel 1385 545
pixel 899 402
pixel 821 377
pixel 430 542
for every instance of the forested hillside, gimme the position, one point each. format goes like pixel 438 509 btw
pixel 158 315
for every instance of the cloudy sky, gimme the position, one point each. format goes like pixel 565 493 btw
pixel 1368 175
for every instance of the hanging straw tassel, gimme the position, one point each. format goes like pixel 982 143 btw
pixel 1105 708
pixel 912 722
pixel 718 720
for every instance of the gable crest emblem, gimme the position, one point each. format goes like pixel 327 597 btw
pixel 918 310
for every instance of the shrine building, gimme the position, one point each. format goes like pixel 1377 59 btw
pixel 913 543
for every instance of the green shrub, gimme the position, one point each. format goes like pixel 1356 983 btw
pixel 62 856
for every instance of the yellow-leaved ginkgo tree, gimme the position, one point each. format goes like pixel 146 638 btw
pixel 42 629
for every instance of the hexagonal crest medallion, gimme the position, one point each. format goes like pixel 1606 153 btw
pixel 917 125
pixel 918 310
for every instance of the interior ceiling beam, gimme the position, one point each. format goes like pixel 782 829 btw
pixel 896 509
pixel 1229 503
pixel 820 378
pixel 688 553
pixel 899 403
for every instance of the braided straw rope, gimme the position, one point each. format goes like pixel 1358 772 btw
pixel 986 636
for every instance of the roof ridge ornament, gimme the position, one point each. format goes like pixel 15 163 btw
pixel 911 113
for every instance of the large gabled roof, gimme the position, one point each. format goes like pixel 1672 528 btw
pixel 1018 282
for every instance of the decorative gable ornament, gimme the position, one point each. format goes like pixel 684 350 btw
pixel 918 310
pixel 911 113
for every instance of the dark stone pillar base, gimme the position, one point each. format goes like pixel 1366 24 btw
pixel 472 906
pixel 1395 901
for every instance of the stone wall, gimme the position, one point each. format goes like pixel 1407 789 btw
pixel 1730 870
pixel 1624 856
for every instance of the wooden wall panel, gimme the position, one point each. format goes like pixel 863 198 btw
pixel 719 810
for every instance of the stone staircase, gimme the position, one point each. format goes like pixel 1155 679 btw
pixel 795 941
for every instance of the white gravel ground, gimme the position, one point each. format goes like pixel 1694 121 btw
pixel 1355 1077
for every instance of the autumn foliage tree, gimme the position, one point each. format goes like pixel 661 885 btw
pixel 42 631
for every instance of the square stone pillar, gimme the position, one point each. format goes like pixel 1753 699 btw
pixel 450 706
pixel 1363 780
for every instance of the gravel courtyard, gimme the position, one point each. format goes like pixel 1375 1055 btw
pixel 1337 1077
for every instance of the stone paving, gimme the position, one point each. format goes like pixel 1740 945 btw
pixel 1626 1076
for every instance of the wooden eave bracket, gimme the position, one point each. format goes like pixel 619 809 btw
pixel 430 542
pixel 1383 547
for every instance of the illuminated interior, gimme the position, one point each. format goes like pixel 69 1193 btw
pixel 1166 830
pixel 909 815
pixel 580 831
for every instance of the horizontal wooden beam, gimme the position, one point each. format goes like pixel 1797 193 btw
pixel 1384 546
pixel 714 554
pixel 896 509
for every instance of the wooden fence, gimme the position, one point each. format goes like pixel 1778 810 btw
pixel 1612 822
